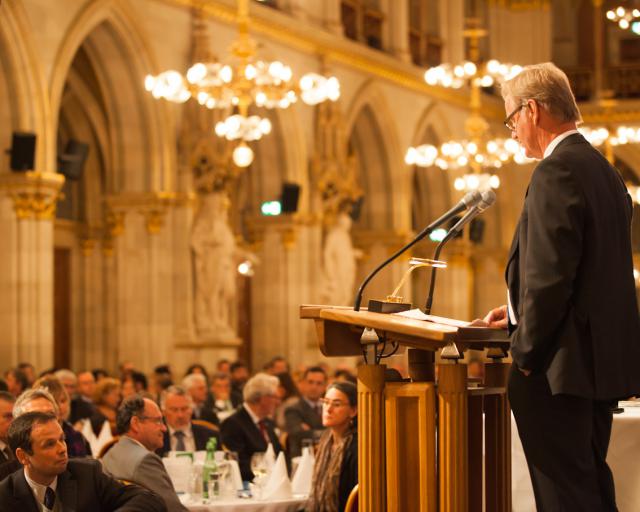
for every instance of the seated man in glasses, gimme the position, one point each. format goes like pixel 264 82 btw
pixel 132 458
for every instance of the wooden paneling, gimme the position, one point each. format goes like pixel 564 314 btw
pixel 410 411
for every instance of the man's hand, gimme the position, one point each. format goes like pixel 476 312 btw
pixel 526 372
pixel 497 318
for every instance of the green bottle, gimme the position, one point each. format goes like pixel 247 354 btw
pixel 209 466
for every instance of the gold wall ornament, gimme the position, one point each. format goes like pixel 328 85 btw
pixel 107 247
pixel 154 220
pixel 333 168
pixel 153 206
pixel 87 245
pixel 34 194
pixel 115 223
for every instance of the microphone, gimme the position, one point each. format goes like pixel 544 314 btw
pixel 470 200
pixel 487 198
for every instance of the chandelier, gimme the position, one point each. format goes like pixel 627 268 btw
pixel 625 18
pixel 243 81
pixel 478 152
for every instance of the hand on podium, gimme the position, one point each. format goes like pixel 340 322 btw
pixel 496 319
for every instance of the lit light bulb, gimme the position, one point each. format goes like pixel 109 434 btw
pixel 242 155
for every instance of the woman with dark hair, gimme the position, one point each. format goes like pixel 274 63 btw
pixel 288 394
pixel 198 368
pixel 336 469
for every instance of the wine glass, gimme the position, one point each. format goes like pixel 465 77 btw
pixel 259 469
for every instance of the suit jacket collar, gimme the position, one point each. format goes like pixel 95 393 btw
pixel 22 492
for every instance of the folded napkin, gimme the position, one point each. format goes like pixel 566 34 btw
pixel 278 486
pixel 179 470
pixel 301 483
pixel 236 475
pixel 270 457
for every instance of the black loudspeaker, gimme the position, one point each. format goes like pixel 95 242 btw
pixel 73 159
pixel 289 198
pixel 23 150
pixel 476 231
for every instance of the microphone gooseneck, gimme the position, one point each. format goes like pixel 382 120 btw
pixel 470 200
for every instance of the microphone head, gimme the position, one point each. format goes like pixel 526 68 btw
pixel 471 199
pixel 487 198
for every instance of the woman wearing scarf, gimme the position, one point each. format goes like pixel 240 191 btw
pixel 336 469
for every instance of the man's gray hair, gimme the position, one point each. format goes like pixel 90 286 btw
pixel 174 390
pixel 66 374
pixel 549 86
pixel 30 395
pixel 258 386
pixel 190 380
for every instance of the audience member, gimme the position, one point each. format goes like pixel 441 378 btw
pixel 344 375
pixel 106 398
pixel 276 365
pixel 196 386
pixel 250 429
pixel 134 382
pixel 50 481
pixel 198 368
pixel 29 372
pixel 221 395
pixel 239 374
pixel 133 457
pixel 181 434
pixel 303 420
pixel 288 394
pixel 3 386
pixel 68 379
pixel 82 403
pixel 125 368
pixel 77 445
pixel 6 417
pixel 336 469
pixel 16 381
pixel 162 379
pixel 99 374
pixel 223 366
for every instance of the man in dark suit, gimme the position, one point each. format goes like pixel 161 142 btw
pixel 181 434
pixel 196 386
pixel 303 419
pixel 50 481
pixel 6 417
pixel 572 311
pixel 250 429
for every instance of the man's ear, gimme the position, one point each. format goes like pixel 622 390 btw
pixel 22 457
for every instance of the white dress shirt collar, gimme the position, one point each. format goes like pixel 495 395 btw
pixel 39 490
pixel 554 143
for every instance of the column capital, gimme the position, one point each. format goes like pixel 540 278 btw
pixel 34 194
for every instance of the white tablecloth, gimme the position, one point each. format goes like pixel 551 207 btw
pixel 623 459
pixel 250 505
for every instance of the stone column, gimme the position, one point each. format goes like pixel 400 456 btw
pixel 451 26
pixel 331 16
pixel 398 26
pixel 27 211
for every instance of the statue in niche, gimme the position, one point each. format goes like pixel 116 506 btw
pixel 215 252
pixel 339 263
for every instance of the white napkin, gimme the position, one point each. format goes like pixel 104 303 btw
pixel 270 457
pixel 278 487
pixel 179 470
pixel 301 483
pixel 236 475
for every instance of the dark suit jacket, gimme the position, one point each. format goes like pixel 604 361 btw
pixel 80 409
pixel 570 277
pixel 240 434
pixel 200 435
pixel 295 415
pixel 83 486
pixel 206 413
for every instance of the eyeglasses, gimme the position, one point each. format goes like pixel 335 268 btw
pixel 332 403
pixel 511 123
pixel 158 420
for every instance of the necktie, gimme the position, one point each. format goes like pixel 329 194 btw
pixel 49 498
pixel 263 430
pixel 180 446
pixel 7 453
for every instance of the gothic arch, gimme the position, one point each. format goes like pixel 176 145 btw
pixel 142 151
pixel 374 140
pixel 23 105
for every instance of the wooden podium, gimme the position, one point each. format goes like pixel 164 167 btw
pixel 400 423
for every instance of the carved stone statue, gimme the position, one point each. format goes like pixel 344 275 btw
pixel 215 250
pixel 339 263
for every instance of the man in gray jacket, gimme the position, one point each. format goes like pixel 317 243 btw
pixel 132 458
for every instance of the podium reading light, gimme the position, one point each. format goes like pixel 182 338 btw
pixel 414 263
